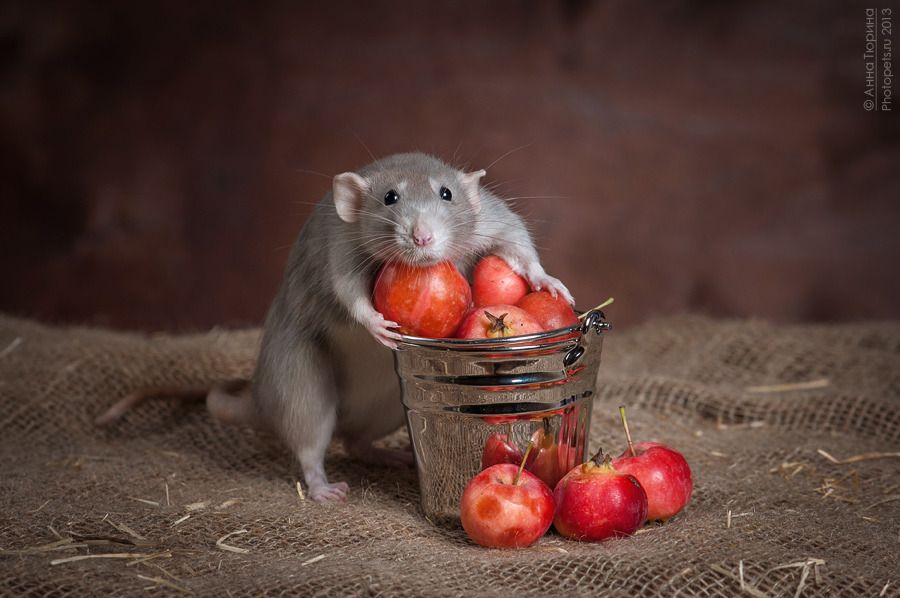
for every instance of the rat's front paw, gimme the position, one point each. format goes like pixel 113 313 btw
pixel 554 286
pixel 383 330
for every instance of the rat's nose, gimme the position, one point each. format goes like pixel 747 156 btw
pixel 422 236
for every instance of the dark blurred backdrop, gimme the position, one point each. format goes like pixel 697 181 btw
pixel 158 158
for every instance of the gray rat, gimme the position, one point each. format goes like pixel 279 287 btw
pixel 325 364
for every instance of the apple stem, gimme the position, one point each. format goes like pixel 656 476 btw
pixel 522 466
pixel 497 324
pixel 601 306
pixel 627 433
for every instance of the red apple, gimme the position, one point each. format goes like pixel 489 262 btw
pixel 506 507
pixel 497 321
pixel 661 470
pixel 493 281
pixel 498 449
pixel 545 464
pixel 550 312
pixel 427 301
pixel 595 502
pixel 664 474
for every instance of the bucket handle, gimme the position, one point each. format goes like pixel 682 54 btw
pixel 595 320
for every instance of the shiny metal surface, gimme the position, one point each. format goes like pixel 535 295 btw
pixel 457 393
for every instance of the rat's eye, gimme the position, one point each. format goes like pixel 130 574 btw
pixel 391 197
pixel 445 194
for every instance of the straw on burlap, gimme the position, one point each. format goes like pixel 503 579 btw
pixel 214 510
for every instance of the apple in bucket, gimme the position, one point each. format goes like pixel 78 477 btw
pixel 545 464
pixel 428 301
pixel 493 281
pixel 550 312
pixel 499 449
pixel 497 321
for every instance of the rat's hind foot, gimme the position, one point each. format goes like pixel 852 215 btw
pixel 327 492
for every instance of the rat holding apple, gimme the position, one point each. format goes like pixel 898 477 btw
pixel 661 470
pixel 410 208
pixel 428 301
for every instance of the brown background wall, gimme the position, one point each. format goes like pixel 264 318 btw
pixel 157 159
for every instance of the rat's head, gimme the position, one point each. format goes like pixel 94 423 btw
pixel 410 208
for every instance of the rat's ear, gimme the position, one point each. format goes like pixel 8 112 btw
pixel 348 189
pixel 472 188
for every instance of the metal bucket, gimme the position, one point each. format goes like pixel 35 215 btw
pixel 457 393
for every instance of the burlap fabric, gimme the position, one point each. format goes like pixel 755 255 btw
pixel 169 502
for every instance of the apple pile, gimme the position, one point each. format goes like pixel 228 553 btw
pixel 506 504
pixel 438 302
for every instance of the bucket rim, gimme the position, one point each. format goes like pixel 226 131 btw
pixel 524 342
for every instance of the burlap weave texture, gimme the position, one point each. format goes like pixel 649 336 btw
pixel 169 502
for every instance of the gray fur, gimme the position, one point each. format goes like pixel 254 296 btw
pixel 325 365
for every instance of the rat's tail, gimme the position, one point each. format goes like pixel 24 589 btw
pixel 227 401
pixel 146 394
